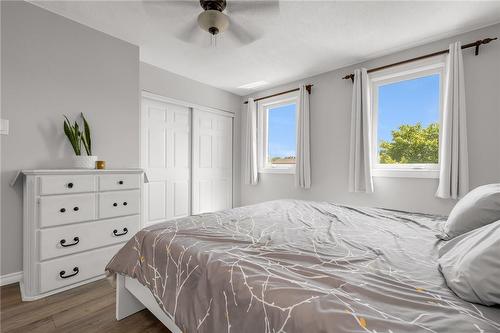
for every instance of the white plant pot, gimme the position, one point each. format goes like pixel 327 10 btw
pixel 84 162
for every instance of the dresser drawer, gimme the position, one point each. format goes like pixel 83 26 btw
pixel 61 241
pixel 59 210
pixel 119 203
pixel 119 182
pixel 68 270
pixel 66 184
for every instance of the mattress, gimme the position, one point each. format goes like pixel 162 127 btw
pixel 300 266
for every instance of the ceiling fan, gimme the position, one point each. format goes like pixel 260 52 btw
pixel 221 17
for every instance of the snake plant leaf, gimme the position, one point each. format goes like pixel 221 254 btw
pixel 73 137
pixel 87 143
pixel 67 129
pixel 78 138
pixel 70 134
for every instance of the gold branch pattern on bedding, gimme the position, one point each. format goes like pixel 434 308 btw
pixel 299 266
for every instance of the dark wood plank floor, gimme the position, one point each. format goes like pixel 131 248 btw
pixel 89 308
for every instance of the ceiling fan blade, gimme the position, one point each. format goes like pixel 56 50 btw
pixel 189 32
pixel 166 9
pixel 257 7
pixel 240 33
pixel 175 3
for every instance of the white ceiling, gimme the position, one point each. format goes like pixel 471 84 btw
pixel 305 38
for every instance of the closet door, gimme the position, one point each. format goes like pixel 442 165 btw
pixel 166 158
pixel 212 162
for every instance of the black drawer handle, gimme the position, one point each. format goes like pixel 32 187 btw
pixel 62 273
pixel 115 204
pixel 63 242
pixel 125 231
pixel 125 203
pixel 120 182
pixel 70 185
pixel 76 209
pixel 62 210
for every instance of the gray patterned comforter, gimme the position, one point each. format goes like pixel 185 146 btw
pixel 300 266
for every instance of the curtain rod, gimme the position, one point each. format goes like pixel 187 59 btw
pixel 475 44
pixel 308 88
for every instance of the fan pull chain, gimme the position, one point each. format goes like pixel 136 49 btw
pixel 213 41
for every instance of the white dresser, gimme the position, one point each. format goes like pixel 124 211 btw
pixel 74 223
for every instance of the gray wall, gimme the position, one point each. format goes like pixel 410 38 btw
pixel 330 125
pixel 53 66
pixel 164 83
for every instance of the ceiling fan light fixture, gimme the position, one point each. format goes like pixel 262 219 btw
pixel 213 21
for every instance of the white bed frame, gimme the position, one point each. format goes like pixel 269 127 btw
pixel 132 297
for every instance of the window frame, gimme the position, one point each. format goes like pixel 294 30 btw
pixel 432 66
pixel 263 148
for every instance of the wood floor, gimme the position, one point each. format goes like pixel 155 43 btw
pixel 90 308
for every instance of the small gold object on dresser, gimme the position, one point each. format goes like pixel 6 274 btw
pixel 100 165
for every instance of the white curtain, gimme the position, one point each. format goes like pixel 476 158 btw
pixel 303 162
pixel 360 164
pixel 453 159
pixel 251 173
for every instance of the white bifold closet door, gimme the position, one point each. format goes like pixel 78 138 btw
pixel 166 158
pixel 212 162
pixel 188 159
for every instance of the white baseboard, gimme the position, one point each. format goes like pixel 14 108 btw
pixel 10 278
pixel 53 292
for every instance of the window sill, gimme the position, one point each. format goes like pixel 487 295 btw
pixel 286 171
pixel 406 173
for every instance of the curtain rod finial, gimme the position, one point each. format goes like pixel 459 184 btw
pixel 484 41
pixel 308 88
pixel 487 40
pixel 349 76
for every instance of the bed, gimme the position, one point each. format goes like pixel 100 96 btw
pixel 294 266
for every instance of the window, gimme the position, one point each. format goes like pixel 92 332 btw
pixel 277 135
pixel 406 119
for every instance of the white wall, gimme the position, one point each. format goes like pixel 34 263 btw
pixel 164 83
pixel 53 66
pixel 330 125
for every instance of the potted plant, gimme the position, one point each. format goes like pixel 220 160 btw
pixel 77 138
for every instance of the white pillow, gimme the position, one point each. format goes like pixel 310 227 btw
pixel 470 264
pixel 477 208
